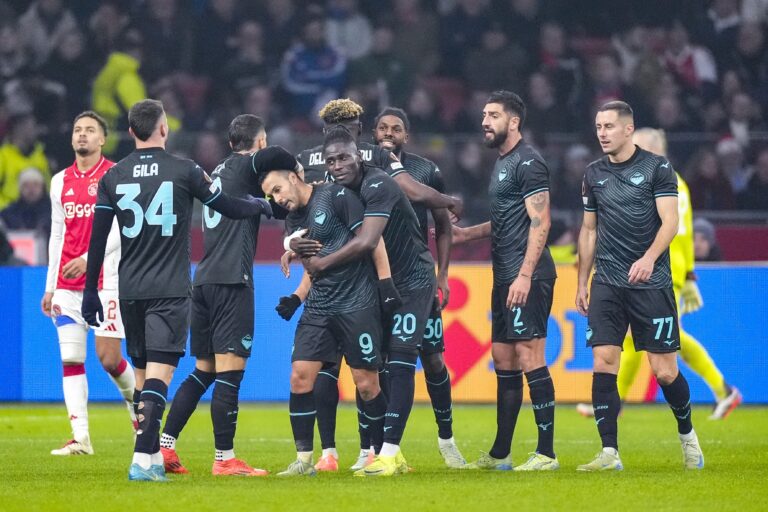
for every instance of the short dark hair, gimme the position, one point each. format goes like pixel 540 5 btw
pixel 336 134
pixel 397 112
pixel 512 103
pixel 143 117
pixel 243 130
pixel 621 107
pixel 96 117
pixel 273 158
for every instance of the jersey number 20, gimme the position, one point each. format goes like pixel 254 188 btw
pixel 159 212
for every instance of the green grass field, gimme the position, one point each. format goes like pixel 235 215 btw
pixel 735 477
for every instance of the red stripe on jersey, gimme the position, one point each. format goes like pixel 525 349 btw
pixel 78 197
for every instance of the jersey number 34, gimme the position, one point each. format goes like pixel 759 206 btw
pixel 159 212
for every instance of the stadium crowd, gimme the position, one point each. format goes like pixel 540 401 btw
pixel 698 72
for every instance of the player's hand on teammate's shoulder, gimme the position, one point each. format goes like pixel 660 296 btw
pixel 582 300
pixel 305 247
pixel 641 270
pixel 46 303
pixel 74 268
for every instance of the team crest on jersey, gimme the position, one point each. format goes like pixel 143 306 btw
pixel 320 218
pixel 637 178
pixel 92 188
pixel 502 174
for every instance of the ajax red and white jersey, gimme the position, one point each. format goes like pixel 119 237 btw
pixel 73 196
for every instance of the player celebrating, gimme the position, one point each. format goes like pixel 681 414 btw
pixel 687 296
pixel 346 113
pixel 151 193
pixel 389 214
pixel 222 309
pixel 523 282
pixel 391 132
pixel 630 218
pixel 341 313
pixel 73 195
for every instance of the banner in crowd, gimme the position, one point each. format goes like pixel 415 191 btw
pixel 731 325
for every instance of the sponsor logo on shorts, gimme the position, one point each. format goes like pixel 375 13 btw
pixel 589 333
pixel 247 341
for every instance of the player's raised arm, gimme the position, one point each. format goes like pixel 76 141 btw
pixel 462 235
pixel 431 198
pixel 230 206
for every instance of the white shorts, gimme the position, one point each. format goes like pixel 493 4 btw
pixel 69 303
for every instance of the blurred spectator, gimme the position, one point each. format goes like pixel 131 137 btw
pixel 755 196
pixel 249 66
pixel 417 33
pixel 348 30
pixel 566 183
pixel 32 210
pixel 731 157
pixel 312 71
pixel 562 67
pixel 105 27
pixel 705 246
pixel 754 11
pixel 710 189
pixel 751 60
pixel 13 59
pixel 72 67
pixel 606 84
pixel 118 85
pixel 722 28
pixel 744 118
pixel 693 66
pixel 215 27
pixel 209 151
pixel 382 72
pixel 43 27
pixel 422 112
pixel 497 63
pixel 21 150
pixel 461 32
pixel 471 177
pixel 281 21
pixel 523 19
pixel 469 118
pixel 165 26
pixel 544 114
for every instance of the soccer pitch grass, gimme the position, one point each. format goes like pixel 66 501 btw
pixel 735 476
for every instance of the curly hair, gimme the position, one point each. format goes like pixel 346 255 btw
pixel 339 111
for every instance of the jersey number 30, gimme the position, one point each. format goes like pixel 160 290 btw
pixel 159 212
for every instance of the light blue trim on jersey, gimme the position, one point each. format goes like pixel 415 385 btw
pixel 302 413
pixel 329 375
pixel 63 320
pixel 227 383
pixel 211 199
pixel 403 363
pixel 665 194
pixel 529 194
pixel 590 209
pixel 154 393
pixel 104 207
pixel 399 171
pixel 376 214
pixel 354 227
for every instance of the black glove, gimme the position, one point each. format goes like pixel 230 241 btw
pixel 92 311
pixel 261 205
pixel 389 297
pixel 288 306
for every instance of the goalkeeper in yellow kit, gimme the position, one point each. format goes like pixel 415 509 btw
pixel 688 299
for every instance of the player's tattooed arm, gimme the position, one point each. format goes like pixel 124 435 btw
pixel 587 244
pixel 537 207
pixel 429 197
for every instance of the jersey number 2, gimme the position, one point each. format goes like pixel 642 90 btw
pixel 159 212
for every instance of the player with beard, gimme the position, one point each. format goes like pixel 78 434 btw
pixel 523 282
